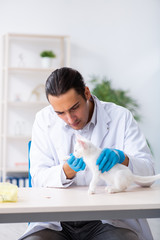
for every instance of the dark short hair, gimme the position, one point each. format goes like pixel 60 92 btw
pixel 64 79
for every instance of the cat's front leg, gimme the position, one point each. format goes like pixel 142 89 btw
pixel 93 183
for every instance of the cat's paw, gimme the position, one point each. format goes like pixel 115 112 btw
pixel 110 189
pixel 91 191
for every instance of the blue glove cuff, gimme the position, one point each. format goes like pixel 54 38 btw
pixel 77 164
pixel 121 155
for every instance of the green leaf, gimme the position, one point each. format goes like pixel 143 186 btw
pixel 104 91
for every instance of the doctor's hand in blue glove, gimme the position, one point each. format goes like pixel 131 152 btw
pixel 77 164
pixel 108 158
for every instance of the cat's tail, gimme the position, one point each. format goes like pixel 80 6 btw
pixel 145 181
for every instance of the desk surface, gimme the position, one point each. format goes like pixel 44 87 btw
pixel 74 203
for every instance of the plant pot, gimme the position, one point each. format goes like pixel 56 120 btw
pixel 46 62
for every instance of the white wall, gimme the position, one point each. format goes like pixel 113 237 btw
pixel 116 38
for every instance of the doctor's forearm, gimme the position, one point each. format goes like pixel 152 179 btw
pixel 69 172
pixel 126 161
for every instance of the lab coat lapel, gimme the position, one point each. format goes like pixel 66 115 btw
pixel 102 125
pixel 66 141
pixel 61 138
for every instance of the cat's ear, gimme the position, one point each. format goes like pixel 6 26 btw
pixel 79 137
pixel 81 141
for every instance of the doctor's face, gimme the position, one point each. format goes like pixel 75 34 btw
pixel 72 108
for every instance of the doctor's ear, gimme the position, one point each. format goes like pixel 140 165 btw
pixel 87 93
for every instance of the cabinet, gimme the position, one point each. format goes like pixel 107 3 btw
pixel 22 93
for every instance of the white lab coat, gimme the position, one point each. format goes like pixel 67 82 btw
pixel 51 141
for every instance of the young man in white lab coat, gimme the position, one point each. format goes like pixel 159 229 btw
pixel 74 110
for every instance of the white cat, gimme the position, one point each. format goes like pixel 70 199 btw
pixel 118 178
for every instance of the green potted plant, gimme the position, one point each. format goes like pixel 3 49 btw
pixel 103 90
pixel 47 57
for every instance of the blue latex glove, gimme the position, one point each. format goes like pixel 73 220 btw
pixel 108 158
pixel 77 164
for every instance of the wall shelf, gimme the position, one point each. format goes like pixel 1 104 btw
pixel 22 92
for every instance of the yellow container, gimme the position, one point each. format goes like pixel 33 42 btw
pixel 8 192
